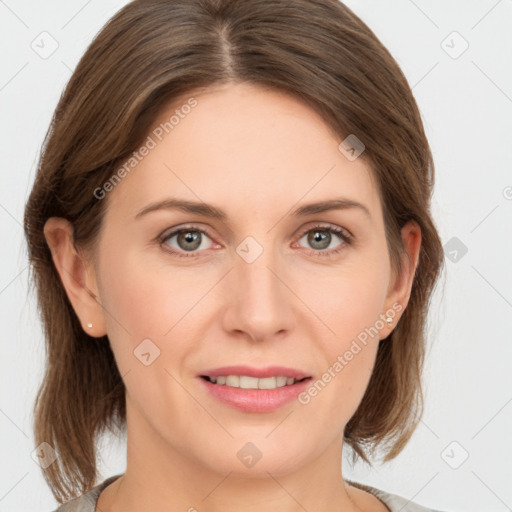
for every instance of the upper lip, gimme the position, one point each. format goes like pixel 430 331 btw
pixel 268 371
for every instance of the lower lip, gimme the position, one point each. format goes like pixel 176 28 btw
pixel 255 400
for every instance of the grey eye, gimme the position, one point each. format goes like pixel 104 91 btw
pixel 187 240
pixel 320 238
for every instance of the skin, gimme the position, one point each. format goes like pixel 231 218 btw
pixel 291 306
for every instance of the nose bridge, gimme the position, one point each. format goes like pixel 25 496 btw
pixel 255 273
pixel 259 300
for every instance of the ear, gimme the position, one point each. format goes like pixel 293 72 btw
pixel 400 286
pixel 76 274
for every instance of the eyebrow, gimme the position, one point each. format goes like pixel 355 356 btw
pixel 208 210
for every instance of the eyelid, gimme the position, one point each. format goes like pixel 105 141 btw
pixel 170 232
pixel 325 225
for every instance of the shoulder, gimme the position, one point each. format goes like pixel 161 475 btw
pixel 394 502
pixel 87 501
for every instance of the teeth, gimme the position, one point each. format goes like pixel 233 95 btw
pixel 233 381
pixel 246 382
pixel 281 381
pixel 267 383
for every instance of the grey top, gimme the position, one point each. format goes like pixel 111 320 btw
pixel 87 502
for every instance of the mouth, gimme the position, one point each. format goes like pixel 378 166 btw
pixel 248 382
pixel 255 390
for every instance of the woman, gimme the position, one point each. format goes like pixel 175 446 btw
pixel 231 239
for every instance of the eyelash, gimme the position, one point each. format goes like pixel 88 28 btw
pixel 346 237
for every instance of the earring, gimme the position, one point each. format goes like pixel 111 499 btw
pixel 89 325
pixel 389 320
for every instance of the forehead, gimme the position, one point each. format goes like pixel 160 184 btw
pixel 243 147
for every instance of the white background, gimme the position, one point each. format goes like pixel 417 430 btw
pixel 466 104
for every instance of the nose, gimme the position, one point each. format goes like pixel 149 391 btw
pixel 260 304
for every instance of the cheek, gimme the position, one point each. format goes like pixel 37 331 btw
pixel 349 300
pixel 349 303
pixel 145 302
pixel 146 299
pixel 144 296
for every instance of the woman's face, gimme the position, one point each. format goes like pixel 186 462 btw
pixel 254 279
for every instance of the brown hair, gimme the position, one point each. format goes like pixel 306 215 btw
pixel 151 52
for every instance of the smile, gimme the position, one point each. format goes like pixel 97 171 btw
pixel 247 382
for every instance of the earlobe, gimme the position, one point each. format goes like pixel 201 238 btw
pixel 76 275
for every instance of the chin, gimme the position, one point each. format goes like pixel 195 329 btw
pixel 255 458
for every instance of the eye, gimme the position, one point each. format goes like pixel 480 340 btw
pixel 321 237
pixel 188 240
